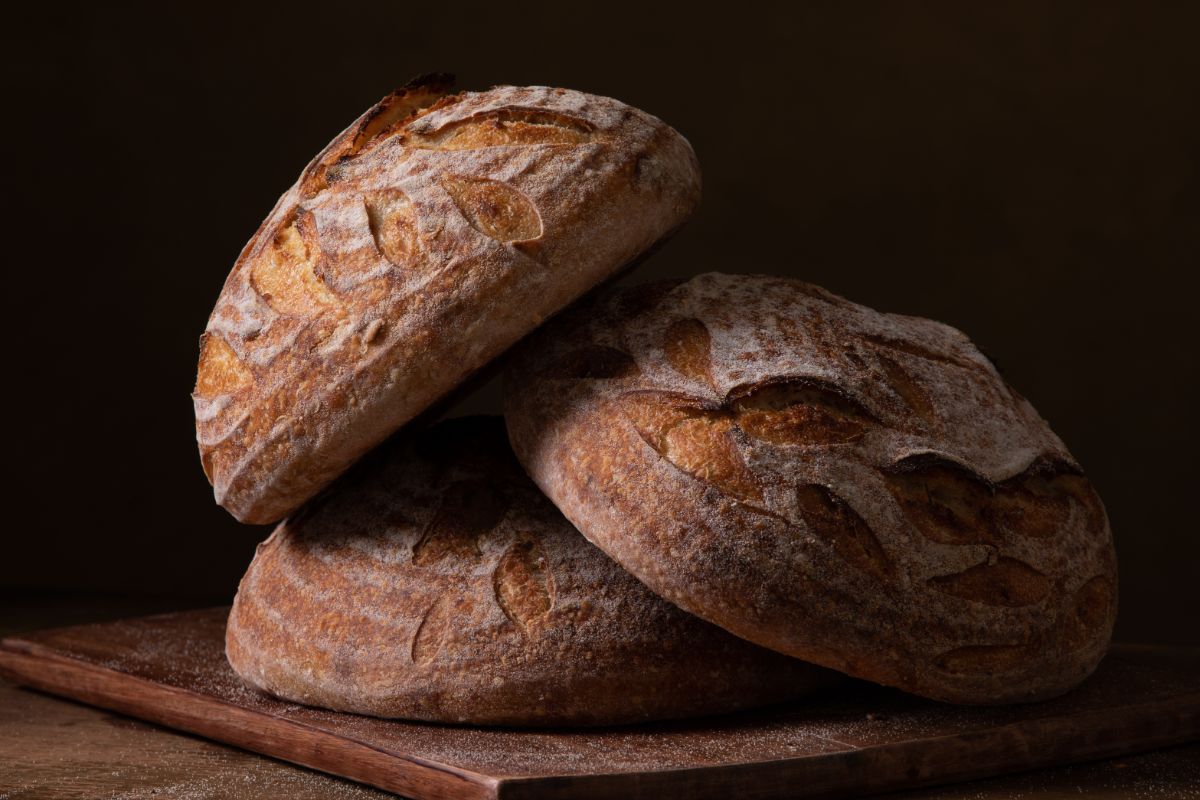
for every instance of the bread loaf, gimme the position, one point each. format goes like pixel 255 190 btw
pixel 436 583
pixel 423 241
pixel 857 489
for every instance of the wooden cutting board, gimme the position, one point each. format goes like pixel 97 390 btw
pixel 170 669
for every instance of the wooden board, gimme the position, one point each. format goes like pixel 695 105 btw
pixel 54 749
pixel 170 669
pixel 59 749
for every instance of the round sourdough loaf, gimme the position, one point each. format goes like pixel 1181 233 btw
pixel 857 489
pixel 427 238
pixel 435 582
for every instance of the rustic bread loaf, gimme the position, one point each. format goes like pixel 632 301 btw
pixel 435 582
pixel 860 490
pixel 427 238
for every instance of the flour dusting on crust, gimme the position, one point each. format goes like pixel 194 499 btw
pixel 437 583
pixel 858 489
pixel 426 239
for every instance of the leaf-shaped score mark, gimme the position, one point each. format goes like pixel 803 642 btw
pixel 832 520
pixel 1007 582
pixel 435 630
pixel 920 351
pixel 284 274
pixel 393 224
pixel 495 209
pixel 950 505
pixel 523 585
pixel 696 439
pixel 703 440
pixel 220 371
pixel 799 413
pixel 687 346
pixel 1084 624
pixel 944 502
pixel 1089 613
pixel 891 355
pixel 468 511
pixel 908 389
pixel 1039 505
pixel 508 127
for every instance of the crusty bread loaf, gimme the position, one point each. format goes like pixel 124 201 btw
pixel 427 238
pixel 435 582
pixel 857 489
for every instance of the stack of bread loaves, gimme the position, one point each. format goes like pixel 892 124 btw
pixel 769 477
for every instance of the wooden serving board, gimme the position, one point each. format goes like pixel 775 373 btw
pixel 859 738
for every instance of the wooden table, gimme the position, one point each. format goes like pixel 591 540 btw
pixel 51 748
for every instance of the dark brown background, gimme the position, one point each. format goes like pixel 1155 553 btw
pixel 1027 174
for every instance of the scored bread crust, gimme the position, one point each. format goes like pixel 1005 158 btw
pixel 437 583
pixel 857 489
pixel 421 243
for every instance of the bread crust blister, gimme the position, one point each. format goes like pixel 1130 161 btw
pixel 435 582
pixel 421 243
pixel 860 490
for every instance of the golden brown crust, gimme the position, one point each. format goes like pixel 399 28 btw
pixel 857 489
pixel 436 582
pixel 422 242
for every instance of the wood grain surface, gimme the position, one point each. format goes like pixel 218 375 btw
pixel 54 749
pixel 169 669
pixel 50 748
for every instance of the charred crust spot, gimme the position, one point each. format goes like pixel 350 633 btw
pixel 468 511
pixel 794 412
pixel 832 520
pixel 495 209
pixel 1007 582
pixel 687 346
pixel 523 585
pixel 594 362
